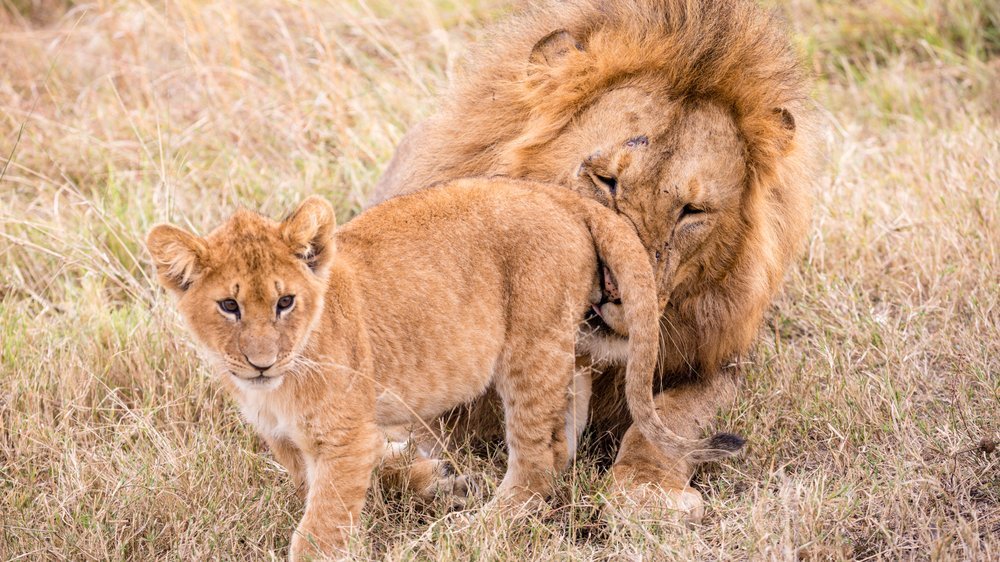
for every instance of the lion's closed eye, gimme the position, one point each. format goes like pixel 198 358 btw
pixel 690 210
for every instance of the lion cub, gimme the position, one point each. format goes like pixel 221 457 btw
pixel 418 305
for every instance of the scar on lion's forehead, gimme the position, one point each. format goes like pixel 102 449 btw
pixel 635 142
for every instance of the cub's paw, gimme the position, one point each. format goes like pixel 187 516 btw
pixel 640 504
pixel 505 512
pixel 308 545
pixel 443 485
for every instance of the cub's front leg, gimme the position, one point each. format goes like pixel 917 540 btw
pixel 339 467
pixel 286 453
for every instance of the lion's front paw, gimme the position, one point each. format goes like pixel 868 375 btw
pixel 687 502
pixel 650 503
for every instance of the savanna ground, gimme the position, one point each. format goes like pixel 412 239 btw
pixel 870 400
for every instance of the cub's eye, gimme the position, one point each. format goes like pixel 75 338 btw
pixel 285 302
pixel 230 306
pixel 658 256
pixel 690 210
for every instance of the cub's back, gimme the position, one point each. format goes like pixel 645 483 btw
pixel 476 226
pixel 463 248
pixel 450 274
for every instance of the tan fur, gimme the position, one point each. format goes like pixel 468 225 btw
pixel 681 103
pixel 411 309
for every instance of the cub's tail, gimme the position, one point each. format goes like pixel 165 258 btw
pixel 623 253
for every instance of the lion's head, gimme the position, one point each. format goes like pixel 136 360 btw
pixel 690 118
pixel 676 171
pixel 252 290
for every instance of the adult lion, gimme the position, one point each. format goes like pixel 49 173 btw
pixel 689 118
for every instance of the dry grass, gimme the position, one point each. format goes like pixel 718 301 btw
pixel 874 382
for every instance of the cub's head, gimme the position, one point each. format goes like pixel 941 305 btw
pixel 252 290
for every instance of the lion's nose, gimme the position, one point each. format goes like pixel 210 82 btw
pixel 260 363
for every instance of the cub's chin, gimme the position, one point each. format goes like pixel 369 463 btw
pixel 257 383
pixel 603 335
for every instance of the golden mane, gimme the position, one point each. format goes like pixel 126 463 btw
pixel 503 108
pixel 731 52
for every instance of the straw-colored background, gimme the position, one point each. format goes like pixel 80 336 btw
pixel 875 378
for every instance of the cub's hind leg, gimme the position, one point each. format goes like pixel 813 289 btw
pixel 532 385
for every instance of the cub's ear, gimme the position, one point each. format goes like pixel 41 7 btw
pixel 552 49
pixel 178 255
pixel 309 232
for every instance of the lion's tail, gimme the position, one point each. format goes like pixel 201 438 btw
pixel 623 253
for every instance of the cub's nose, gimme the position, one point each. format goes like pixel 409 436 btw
pixel 261 363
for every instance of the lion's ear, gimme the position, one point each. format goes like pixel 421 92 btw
pixel 552 49
pixel 786 122
pixel 178 255
pixel 309 232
